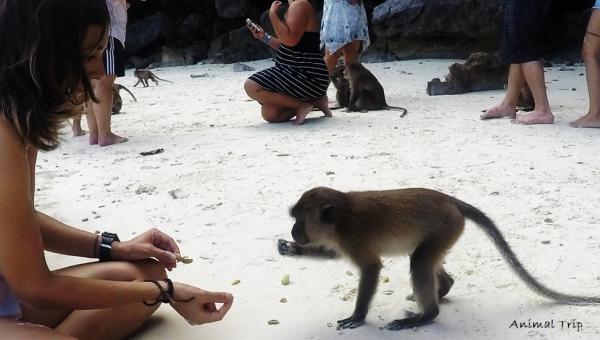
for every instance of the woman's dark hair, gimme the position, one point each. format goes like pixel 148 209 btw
pixel 317 5
pixel 41 63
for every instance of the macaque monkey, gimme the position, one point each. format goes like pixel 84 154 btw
pixel 342 86
pixel 366 93
pixel 144 74
pixel 422 223
pixel 117 100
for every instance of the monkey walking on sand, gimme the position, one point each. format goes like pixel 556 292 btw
pixel 144 74
pixel 422 223
pixel 359 90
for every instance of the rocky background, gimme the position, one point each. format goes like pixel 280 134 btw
pixel 180 32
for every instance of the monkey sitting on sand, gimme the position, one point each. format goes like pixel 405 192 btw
pixel 342 86
pixel 144 74
pixel 117 100
pixel 364 93
pixel 422 223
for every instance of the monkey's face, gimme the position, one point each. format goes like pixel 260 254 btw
pixel 315 226
pixel 338 79
pixel 315 219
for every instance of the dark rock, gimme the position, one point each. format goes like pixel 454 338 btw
pixel 444 28
pixel 238 45
pixel 239 67
pixel 153 30
pixel 481 72
pixel 235 8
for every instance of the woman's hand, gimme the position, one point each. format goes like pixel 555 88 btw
pixel 152 243
pixel 275 8
pixel 257 31
pixel 202 308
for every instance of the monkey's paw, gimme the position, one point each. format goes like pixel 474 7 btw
pixel 287 247
pixel 351 322
pixel 412 320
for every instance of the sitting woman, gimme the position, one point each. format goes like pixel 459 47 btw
pixel 299 80
pixel 45 73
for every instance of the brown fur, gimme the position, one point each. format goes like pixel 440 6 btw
pixel 143 75
pixel 366 93
pixel 342 86
pixel 117 100
pixel 420 222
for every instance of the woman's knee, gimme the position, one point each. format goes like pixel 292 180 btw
pixel 269 116
pixel 150 269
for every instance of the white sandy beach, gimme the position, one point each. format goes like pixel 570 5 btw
pixel 226 179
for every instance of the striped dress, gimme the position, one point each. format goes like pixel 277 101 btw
pixel 299 70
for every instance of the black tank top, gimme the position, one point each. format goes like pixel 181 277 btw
pixel 309 43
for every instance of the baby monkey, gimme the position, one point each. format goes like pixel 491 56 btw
pixel 144 74
pixel 421 223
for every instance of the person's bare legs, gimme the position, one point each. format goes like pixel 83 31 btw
pixel 591 56
pixel 103 90
pixel 277 107
pixel 90 117
pixel 323 105
pixel 508 106
pixel 110 323
pixel 332 59
pixel 76 127
pixel 541 114
pixel 351 52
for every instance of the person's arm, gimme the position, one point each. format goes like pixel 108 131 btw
pixel 22 259
pixel 59 238
pixel 24 267
pixel 62 239
pixel 260 34
pixel 290 31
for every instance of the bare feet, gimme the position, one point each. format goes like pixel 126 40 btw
pixel 535 117
pixel 108 140
pixel 323 105
pixel 587 121
pixel 301 112
pixel 78 131
pixel 499 111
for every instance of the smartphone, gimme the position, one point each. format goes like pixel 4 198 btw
pixel 252 25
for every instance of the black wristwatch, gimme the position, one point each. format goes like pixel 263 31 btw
pixel 106 245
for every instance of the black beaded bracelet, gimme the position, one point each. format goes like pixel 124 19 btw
pixel 165 295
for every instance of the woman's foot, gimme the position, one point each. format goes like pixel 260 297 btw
pixel 78 131
pixel 301 112
pixel 499 111
pixel 587 121
pixel 323 105
pixel 108 140
pixel 535 117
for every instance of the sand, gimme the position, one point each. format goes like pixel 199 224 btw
pixel 226 179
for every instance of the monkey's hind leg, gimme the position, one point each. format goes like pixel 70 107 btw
pixel 445 282
pixel 292 248
pixel 423 263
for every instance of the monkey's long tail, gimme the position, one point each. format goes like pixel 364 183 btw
pixel 494 233
pixel 168 81
pixel 126 89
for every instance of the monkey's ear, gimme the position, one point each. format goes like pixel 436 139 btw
pixel 327 214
